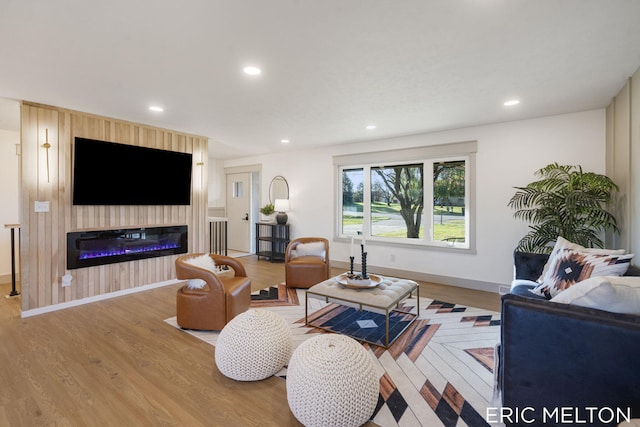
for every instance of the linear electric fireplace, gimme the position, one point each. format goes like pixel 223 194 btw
pixel 90 248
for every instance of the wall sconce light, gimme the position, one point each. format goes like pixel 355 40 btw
pixel 46 146
pixel 282 207
pixel 201 171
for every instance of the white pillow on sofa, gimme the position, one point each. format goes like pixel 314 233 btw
pixel 609 293
pixel 569 267
pixel 570 263
pixel 562 243
pixel 311 249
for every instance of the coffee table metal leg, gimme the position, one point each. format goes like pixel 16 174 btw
pixel 341 302
pixel 387 330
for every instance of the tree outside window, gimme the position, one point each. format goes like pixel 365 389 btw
pixel 397 205
pixel 449 201
pixel 352 188
pixel 396 197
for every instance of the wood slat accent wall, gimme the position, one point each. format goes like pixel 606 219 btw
pixel 43 235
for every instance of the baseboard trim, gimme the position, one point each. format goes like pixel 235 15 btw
pixel 88 300
pixel 477 285
pixel 413 275
pixel 6 278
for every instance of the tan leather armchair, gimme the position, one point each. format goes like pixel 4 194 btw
pixel 303 270
pixel 223 297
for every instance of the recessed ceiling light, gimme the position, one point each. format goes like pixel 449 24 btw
pixel 285 141
pixel 252 71
pixel 156 108
pixel 512 102
pixel 371 127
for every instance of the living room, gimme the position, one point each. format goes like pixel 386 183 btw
pixel 509 150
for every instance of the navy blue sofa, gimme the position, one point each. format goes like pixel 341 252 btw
pixel 556 361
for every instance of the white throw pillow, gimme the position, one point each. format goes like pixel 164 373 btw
pixel 311 249
pixel 569 267
pixel 609 293
pixel 202 261
pixel 562 243
pixel 196 284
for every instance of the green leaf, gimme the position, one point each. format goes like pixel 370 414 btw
pixel 565 201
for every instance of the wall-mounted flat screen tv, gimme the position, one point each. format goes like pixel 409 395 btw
pixel 107 173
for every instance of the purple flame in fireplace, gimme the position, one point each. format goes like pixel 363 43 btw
pixel 115 252
pixel 93 248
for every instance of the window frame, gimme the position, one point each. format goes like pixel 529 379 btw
pixel 427 155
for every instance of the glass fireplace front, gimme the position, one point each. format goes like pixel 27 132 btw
pixel 91 248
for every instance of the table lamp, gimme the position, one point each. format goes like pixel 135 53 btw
pixel 282 207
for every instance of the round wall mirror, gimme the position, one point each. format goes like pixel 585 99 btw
pixel 278 189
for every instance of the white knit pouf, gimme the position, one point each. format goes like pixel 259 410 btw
pixel 253 346
pixel 332 381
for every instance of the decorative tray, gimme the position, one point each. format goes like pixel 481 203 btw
pixel 373 281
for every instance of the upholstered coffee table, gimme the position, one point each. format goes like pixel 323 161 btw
pixel 384 299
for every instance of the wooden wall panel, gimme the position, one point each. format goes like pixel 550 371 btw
pixel 618 162
pixel 43 236
pixel 634 159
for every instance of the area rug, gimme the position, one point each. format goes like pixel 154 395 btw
pixel 439 372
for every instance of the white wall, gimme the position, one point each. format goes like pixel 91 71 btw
pixel 9 201
pixel 508 154
pixel 216 183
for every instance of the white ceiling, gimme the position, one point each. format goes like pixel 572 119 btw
pixel 330 67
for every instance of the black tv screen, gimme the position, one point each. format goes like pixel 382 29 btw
pixel 107 173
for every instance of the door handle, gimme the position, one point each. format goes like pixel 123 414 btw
pixel 246 217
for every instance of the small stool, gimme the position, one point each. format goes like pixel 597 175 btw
pixel 253 346
pixel 332 381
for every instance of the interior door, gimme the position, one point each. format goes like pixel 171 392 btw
pixel 239 211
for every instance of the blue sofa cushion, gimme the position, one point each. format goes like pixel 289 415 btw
pixel 529 266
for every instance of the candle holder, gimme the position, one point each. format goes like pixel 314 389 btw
pixel 364 266
pixel 362 277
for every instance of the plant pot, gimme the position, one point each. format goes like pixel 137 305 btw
pixel 268 218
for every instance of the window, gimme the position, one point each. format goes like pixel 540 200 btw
pixel 426 201
pixel 237 190
pixel 352 192
pixel 397 201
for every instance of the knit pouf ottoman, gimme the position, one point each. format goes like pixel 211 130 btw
pixel 332 381
pixel 253 346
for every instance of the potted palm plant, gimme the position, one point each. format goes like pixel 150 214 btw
pixel 565 201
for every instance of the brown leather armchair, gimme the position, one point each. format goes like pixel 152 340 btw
pixel 303 270
pixel 223 297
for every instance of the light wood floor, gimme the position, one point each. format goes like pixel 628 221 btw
pixel 117 363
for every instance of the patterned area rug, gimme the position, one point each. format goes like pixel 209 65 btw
pixel 437 373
